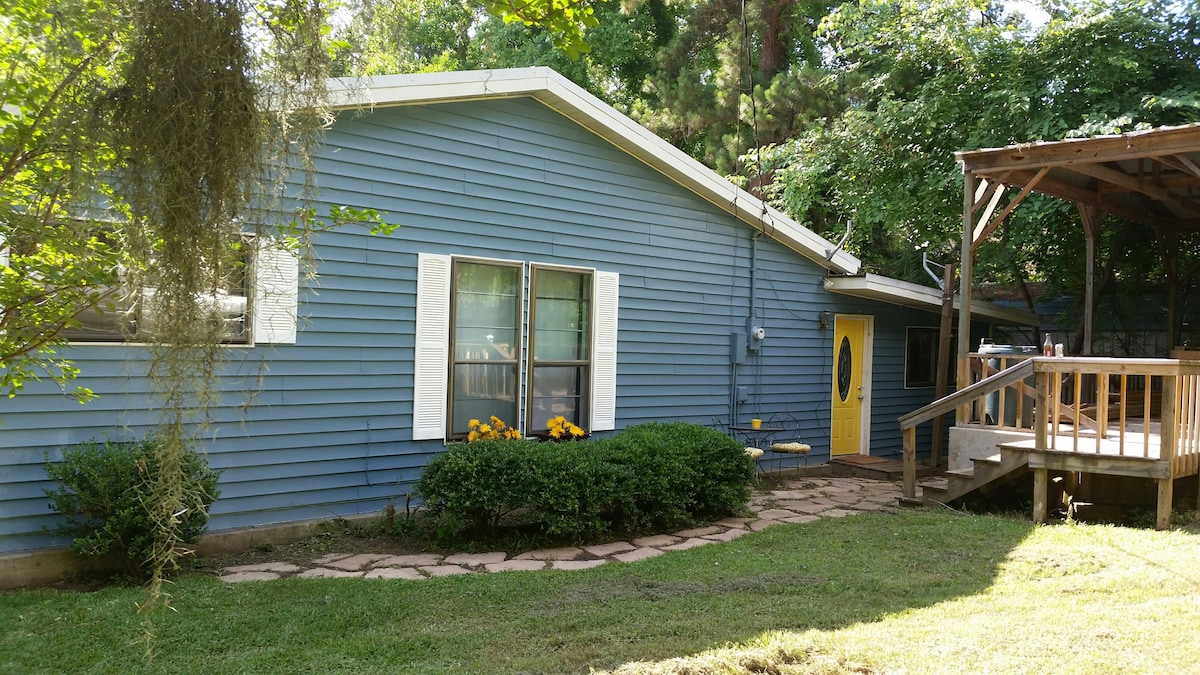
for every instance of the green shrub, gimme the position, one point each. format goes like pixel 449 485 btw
pixel 651 475
pixel 106 498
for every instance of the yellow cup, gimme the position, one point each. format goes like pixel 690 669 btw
pixel 756 423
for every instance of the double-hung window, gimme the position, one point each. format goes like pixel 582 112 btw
pixel 257 304
pixel 521 341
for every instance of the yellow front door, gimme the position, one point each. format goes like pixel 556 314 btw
pixel 849 340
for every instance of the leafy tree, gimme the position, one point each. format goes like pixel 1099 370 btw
pixel 927 80
pixel 56 56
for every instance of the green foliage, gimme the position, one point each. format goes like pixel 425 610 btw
pixel 566 20
pixel 107 500
pixel 57 56
pixel 923 81
pixel 652 475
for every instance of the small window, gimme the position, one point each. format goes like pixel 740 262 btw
pixel 921 358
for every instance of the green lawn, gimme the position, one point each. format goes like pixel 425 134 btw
pixel 915 592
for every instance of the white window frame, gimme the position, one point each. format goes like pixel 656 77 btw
pixel 431 357
pixel 272 296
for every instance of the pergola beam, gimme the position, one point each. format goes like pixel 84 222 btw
pixel 1137 145
pixel 1136 184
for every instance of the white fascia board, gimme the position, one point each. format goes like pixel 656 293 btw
pixel 557 92
pixel 908 294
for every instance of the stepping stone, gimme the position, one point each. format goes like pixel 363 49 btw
pixel 837 513
pixel 239 577
pixel 697 532
pixel 775 514
pixel 840 489
pixel 868 506
pixel 810 508
pixel 791 494
pixel 326 573
pixel 637 554
pixel 656 540
pixel 690 543
pixel 791 504
pixel 760 525
pixel 330 557
pixel 603 550
pixel 282 567
pixel 800 519
pixel 733 522
pixel 444 570
pixel 516 566
pixel 727 535
pixel 576 564
pixel 476 559
pixel 565 553
pixel 356 562
pixel 412 560
pixel 394 573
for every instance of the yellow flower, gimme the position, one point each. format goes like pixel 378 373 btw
pixel 472 424
pixel 485 429
pixel 473 436
pixel 576 431
pixel 497 422
pixel 555 432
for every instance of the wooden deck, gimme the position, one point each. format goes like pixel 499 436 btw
pixel 1121 417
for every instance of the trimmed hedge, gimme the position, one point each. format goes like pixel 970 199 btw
pixel 650 475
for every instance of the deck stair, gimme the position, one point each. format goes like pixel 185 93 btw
pixel 984 474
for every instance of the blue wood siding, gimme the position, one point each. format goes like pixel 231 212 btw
pixel 321 428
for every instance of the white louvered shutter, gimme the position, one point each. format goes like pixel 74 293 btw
pixel 276 289
pixel 432 347
pixel 604 351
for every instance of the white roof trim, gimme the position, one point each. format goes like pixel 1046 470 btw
pixel 907 294
pixel 564 96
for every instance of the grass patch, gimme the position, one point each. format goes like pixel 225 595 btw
pixel 917 592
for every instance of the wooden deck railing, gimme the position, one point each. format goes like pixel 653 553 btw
pixel 1009 377
pixel 1140 408
pixel 1136 408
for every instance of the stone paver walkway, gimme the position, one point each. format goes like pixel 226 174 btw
pixel 801 500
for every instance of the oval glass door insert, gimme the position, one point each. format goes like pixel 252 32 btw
pixel 845 364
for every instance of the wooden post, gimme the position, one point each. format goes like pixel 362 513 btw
pixel 943 362
pixel 1041 411
pixel 1165 495
pixel 1171 263
pixel 1088 215
pixel 965 270
pixel 1168 438
pixel 909 488
pixel 1040 492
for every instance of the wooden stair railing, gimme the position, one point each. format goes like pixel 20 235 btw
pixel 946 404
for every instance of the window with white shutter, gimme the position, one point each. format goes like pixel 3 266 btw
pixel 518 341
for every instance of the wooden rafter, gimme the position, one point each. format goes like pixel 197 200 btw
pixel 982 231
pixel 1138 184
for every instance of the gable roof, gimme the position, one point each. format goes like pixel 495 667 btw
pixel 569 99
